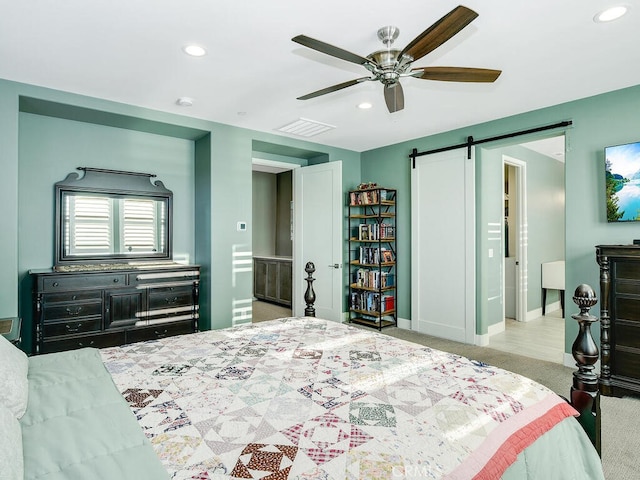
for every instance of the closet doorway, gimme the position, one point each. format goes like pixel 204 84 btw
pixel 272 239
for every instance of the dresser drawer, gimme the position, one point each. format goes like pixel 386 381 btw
pixel 68 297
pixel 627 287
pixel 168 297
pixel 160 330
pixel 630 270
pixel 56 283
pixel 56 329
pixel 56 312
pixel 100 340
pixel 627 308
pixel 627 335
pixel 626 362
pixel 175 277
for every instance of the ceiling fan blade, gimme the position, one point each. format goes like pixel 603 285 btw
pixel 333 88
pixel 439 32
pixel 330 50
pixel 394 97
pixel 456 74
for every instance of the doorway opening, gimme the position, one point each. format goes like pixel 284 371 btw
pixel 533 234
pixel 272 239
pixel 514 234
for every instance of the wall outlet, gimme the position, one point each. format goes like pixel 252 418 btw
pixel 242 226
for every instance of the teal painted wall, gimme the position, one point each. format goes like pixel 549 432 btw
pixel 606 119
pixel 265 194
pixel 206 164
pixel 49 147
pixel 222 188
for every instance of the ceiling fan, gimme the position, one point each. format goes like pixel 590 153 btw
pixel 390 65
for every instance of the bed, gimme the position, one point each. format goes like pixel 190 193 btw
pixel 305 398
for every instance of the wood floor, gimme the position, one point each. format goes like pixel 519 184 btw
pixel 542 338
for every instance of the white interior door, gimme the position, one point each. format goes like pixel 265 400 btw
pixel 519 230
pixel 318 207
pixel 443 292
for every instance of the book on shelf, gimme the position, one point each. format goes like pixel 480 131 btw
pixel 388 303
pixel 366 301
pixel 375 231
pixel 373 279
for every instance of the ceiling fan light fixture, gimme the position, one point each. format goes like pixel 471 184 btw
pixel 610 14
pixel 194 50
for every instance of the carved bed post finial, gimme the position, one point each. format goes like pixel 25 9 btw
pixel 585 396
pixel 309 295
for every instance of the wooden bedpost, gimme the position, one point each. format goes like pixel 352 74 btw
pixel 585 396
pixel 309 295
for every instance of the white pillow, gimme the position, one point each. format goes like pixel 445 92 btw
pixel 11 459
pixel 14 366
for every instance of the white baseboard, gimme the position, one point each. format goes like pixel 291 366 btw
pixel 404 323
pixel 496 328
pixel 536 313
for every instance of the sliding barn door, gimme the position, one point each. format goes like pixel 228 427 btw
pixel 443 246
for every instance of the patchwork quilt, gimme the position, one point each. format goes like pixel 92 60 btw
pixel 304 398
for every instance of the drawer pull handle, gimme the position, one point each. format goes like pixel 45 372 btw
pixel 73 330
pixel 74 313
pixel 80 344
pixel 116 280
pixel 171 300
pixel 160 334
pixel 55 284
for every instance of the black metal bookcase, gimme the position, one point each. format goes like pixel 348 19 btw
pixel 372 257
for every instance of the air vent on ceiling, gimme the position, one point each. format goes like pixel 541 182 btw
pixel 305 127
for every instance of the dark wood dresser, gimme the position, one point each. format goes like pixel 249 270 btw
pixel 619 318
pixel 113 306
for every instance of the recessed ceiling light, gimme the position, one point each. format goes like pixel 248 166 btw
pixel 611 13
pixel 194 50
pixel 365 105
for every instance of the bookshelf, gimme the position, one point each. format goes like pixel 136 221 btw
pixel 372 257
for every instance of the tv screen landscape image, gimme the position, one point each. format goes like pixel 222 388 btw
pixel 622 165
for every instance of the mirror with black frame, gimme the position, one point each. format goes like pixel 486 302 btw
pixel 111 216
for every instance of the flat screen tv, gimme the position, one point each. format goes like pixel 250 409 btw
pixel 622 165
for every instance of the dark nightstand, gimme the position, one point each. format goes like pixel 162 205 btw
pixel 10 329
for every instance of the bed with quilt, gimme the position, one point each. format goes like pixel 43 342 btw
pixel 305 398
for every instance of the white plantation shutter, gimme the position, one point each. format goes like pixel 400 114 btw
pixel 139 225
pixel 90 229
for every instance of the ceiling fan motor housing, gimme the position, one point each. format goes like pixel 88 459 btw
pixel 388 34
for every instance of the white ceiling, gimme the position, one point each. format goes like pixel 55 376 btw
pixel 551 147
pixel 131 51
